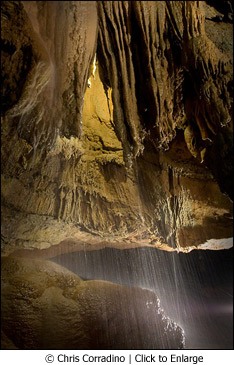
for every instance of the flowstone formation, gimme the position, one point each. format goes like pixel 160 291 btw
pixel 116 125
pixel 45 306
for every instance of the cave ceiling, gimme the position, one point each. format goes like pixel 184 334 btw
pixel 116 125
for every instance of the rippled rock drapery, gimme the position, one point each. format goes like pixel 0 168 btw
pixel 130 147
pixel 45 306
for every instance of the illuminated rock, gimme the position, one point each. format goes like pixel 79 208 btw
pixel 45 306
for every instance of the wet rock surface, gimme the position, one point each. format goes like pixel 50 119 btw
pixel 195 289
pixel 45 306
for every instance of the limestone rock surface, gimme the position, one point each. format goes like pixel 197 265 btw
pixel 116 124
pixel 45 306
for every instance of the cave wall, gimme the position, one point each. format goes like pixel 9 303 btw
pixel 116 124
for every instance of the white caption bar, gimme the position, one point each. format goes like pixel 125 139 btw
pixel 129 357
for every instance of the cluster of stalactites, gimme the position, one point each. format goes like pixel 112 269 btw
pixel 209 71
pixel 163 70
pixel 155 56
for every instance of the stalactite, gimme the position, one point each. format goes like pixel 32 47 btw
pixel 120 73
pixel 204 61
pixel 151 60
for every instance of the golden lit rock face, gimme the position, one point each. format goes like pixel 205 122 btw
pixel 120 132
